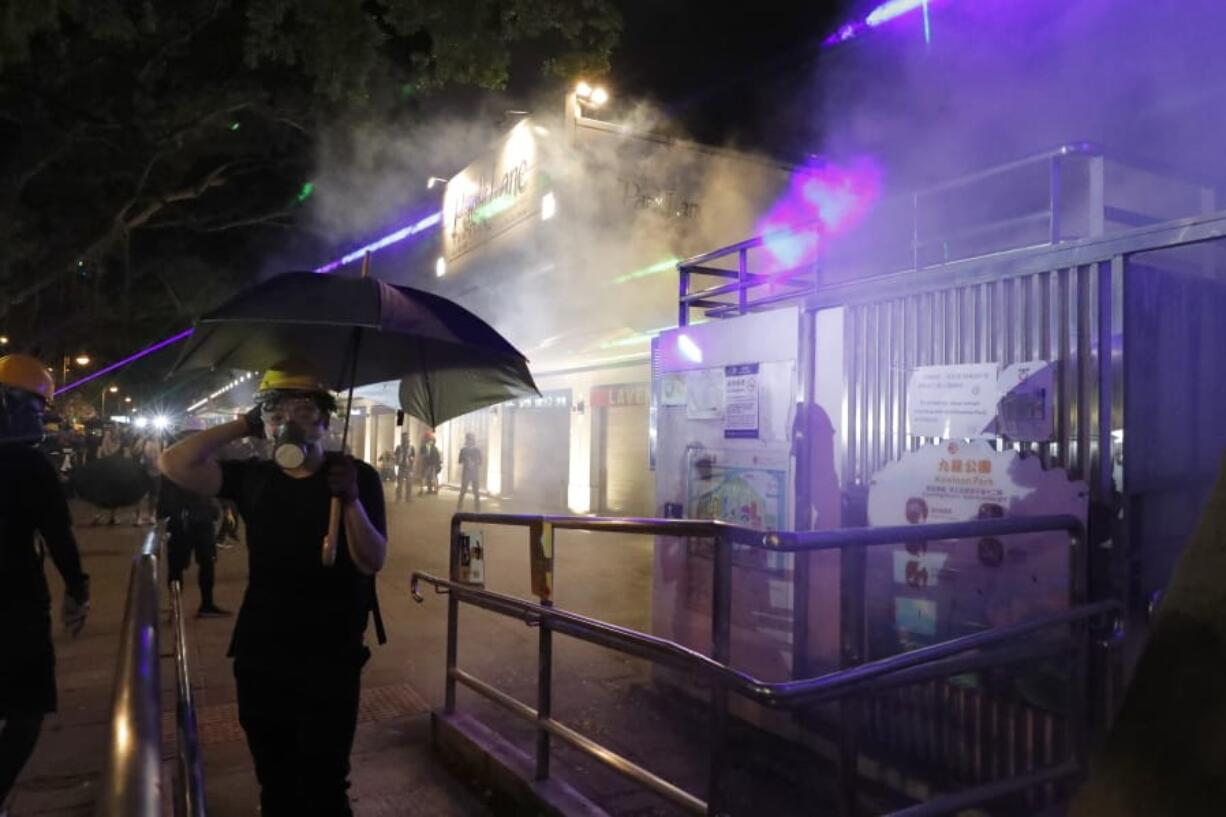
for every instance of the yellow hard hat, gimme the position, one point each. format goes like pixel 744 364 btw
pixel 282 380
pixel 28 373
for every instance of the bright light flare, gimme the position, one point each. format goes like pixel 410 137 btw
pixel 82 360
pixel 823 200
pixel 140 422
pixel 599 97
pixel 161 422
pixel 583 90
pixel 549 206
pixel 689 349
pixel 892 10
pixel 440 267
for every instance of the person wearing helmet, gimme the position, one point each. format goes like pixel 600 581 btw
pixel 298 644
pixel 31 502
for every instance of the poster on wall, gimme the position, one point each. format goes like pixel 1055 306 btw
pixel 672 389
pixel 952 401
pixel 929 591
pixel 747 488
pixel 1027 394
pixel 704 394
pixel 741 404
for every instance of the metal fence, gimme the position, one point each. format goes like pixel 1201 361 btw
pixel 132 776
pixel 1005 645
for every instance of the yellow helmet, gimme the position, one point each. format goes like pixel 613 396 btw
pixel 27 373
pixel 281 380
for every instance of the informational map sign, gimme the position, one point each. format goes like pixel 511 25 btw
pixel 747 488
pixel 741 401
pixel 672 389
pixel 928 591
pixel 1027 396
pixel 952 401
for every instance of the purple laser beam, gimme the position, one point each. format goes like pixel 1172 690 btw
pixel 129 359
pixel 374 246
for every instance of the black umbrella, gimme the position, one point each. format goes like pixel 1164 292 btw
pixel 112 482
pixel 353 332
pixel 434 397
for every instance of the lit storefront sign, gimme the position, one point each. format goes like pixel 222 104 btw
pixel 620 394
pixel 492 194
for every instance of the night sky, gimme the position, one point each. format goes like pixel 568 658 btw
pixel 728 71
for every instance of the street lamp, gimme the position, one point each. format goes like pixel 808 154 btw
pixel 127 399
pixel 80 360
pixel 4 340
pixel 105 392
pixel 433 180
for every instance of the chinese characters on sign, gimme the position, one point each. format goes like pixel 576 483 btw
pixel 741 401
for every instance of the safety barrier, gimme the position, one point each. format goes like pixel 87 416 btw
pixel 993 647
pixel 132 777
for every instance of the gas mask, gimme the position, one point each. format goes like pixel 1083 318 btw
pixel 21 416
pixel 293 427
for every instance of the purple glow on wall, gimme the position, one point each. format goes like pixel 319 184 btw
pixel 822 201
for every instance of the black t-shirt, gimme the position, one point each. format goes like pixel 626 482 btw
pixel 296 610
pixel 31 500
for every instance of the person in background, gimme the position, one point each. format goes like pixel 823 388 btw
pixel 405 458
pixel 298 644
pixel 31 503
pixel 190 532
pixel 146 451
pixel 431 464
pixel 471 462
pixel 111 445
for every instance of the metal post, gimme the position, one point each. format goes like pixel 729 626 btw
pixel 802 520
pixel 1106 275
pixel 453 621
pixel 721 651
pixel 683 309
pixel 1054 196
pixel 1097 200
pixel 544 695
pixel 742 276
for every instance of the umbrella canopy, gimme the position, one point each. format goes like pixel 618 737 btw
pixel 436 397
pixel 112 482
pixel 325 322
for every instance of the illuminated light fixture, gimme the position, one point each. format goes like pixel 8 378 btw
pixel 161 421
pixel 141 422
pixel 540 130
pixel 433 180
pixel 440 267
pixel 81 360
pixel 549 206
pixel 113 390
pixel 599 97
pixel 387 240
pixel 689 349
pixel 196 405
pixel 127 399
pixel 879 16
pixel 583 90
pixel 662 266
pixel 148 350
pixel 4 340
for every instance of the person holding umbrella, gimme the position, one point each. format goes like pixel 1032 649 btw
pixel 298 644
pixel 31 501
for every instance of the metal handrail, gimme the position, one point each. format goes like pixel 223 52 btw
pixel 133 774
pixel 189 782
pixel 818 689
pixel 977 651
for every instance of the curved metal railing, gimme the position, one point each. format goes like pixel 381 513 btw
pixel 995 647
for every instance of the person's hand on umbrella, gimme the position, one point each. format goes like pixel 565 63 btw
pixel 342 477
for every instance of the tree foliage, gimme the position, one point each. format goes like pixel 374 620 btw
pixel 153 150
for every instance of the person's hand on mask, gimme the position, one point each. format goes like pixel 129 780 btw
pixel 342 477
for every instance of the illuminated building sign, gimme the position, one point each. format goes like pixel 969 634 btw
pixel 492 194
pixel 620 394
pixel 552 399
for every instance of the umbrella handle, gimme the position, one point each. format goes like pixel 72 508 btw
pixel 334 527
